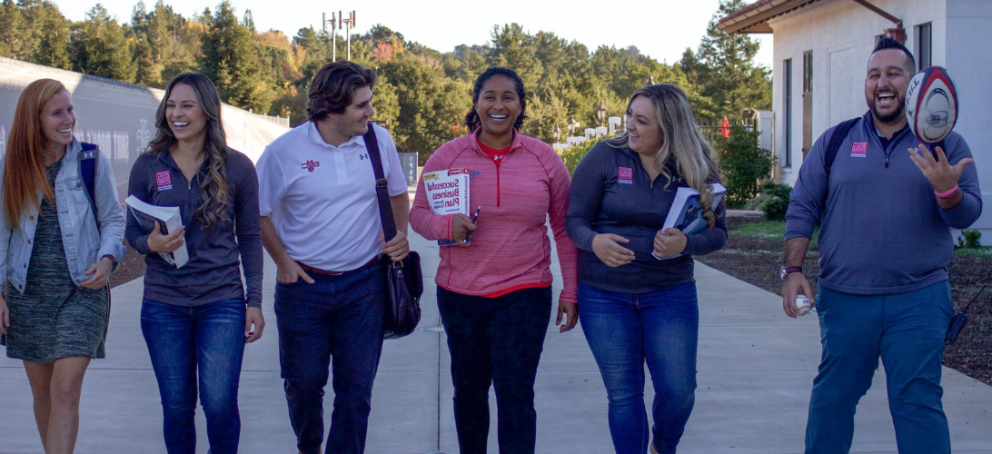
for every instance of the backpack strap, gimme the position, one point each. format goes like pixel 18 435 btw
pixel 836 139
pixel 87 173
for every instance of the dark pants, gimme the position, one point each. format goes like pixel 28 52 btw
pixel 907 331
pixel 336 318
pixel 206 341
pixel 498 341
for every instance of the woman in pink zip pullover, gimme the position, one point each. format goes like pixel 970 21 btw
pixel 494 292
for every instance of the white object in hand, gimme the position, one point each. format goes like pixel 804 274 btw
pixel 802 304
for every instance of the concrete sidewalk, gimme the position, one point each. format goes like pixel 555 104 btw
pixel 756 368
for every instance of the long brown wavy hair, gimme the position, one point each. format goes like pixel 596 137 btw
pixel 695 159
pixel 24 173
pixel 214 189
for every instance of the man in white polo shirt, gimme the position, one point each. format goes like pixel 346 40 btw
pixel 321 225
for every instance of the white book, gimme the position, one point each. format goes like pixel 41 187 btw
pixel 448 193
pixel 686 213
pixel 168 219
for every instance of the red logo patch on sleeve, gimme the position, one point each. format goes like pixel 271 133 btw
pixel 859 150
pixel 163 180
pixel 625 175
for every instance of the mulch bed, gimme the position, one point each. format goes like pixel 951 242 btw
pixel 756 260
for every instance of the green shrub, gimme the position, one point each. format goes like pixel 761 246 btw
pixel 778 200
pixel 573 155
pixel 744 164
pixel 757 201
pixel 970 239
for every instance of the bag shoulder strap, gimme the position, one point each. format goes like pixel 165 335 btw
pixel 87 172
pixel 836 139
pixel 381 184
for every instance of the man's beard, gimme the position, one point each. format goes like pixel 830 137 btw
pixel 889 117
pixel 892 116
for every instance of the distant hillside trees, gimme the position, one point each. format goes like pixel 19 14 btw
pixel 423 94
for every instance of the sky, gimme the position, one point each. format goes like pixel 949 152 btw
pixel 661 29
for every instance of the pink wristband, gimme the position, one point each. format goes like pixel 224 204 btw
pixel 948 193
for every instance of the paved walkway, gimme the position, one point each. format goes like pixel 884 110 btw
pixel 756 368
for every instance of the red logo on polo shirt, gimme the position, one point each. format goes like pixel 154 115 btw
pixel 625 175
pixel 310 165
pixel 859 150
pixel 163 180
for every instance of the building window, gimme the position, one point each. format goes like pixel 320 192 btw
pixel 787 110
pixel 924 41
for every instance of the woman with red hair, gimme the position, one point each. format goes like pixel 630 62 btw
pixel 59 245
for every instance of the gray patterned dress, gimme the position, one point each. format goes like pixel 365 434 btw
pixel 54 318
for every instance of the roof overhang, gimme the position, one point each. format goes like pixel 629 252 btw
pixel 754 17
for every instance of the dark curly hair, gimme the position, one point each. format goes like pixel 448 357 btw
pixel 472 118
pixel 332 88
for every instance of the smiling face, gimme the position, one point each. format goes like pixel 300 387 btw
pixel 643 131
pixel 498 106
pixel 354 121
pixel 885 87
pixel 186 117
pixel 57 120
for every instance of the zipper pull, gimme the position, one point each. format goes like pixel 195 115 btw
pixel 886 161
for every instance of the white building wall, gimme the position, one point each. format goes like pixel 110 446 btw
pixel 841 34
pixel 966 54
pixel 120 117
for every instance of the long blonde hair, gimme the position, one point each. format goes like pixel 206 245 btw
pixel 695 159
pixel 24 172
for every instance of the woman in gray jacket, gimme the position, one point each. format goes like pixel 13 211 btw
pixel 57 255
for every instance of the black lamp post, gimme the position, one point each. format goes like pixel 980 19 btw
pixel 557 133
pixel 601 112
pixel 572 124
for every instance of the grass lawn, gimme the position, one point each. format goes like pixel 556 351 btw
pixel 767 229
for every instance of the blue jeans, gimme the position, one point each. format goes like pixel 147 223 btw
pixel 336 318
pixel 907 331
pixel 495 341
pixel 209 339
pixel 624 330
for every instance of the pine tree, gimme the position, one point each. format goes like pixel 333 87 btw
pixel 11 29
pixel 143 47
pixel 514 49
pixel 149 71
pixel 230 60
pixel 175 41
pixel 34 14
pixel 100 48
pixel 728 72
pixel 53 49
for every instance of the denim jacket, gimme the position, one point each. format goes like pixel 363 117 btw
pixel 84 243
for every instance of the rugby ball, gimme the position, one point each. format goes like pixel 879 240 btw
pixel 931 104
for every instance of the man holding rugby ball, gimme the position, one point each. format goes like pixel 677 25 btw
pixel 885 217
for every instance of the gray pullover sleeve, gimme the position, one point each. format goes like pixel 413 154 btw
pixel 806 198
